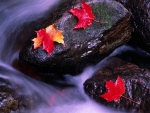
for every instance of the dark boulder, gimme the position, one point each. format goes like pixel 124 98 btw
pixel 140 14
pixel 83 46
pixel 137 84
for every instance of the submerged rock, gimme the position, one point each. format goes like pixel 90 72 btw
pixel 137 84
pixel 140 13
pixel 83 46
pixel 10 100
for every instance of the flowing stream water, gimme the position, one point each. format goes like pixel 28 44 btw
pixel 49 98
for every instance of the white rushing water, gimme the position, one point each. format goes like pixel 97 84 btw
pixel 52 99
pixel 13 14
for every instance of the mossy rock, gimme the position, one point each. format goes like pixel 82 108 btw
pixel 84 47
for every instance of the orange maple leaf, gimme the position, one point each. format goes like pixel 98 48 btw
pixel 55 34
pixel 47 37
pixel 38 41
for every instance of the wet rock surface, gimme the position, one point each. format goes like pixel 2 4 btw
pixel 83 46
pixel 10 100
pixel 136 83
pixel 140 14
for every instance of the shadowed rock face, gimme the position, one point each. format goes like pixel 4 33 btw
pixel 140 13
pixel 83 46
pixel 137 84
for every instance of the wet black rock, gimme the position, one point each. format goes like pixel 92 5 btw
pixel 137 84
pixel 83 46
pixel 10 100
pixel 140 13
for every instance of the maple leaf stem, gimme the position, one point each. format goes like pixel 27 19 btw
pixel 101 22
pixel 129 99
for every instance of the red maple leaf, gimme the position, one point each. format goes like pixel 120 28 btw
pixel 115 90
pixel 47 37
pixel 48 44
pixel 84 15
